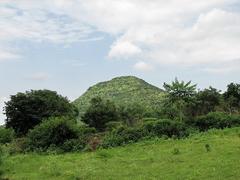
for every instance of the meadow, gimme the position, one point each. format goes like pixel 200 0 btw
pixel 210 155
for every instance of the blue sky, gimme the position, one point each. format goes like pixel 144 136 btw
pixel 69 45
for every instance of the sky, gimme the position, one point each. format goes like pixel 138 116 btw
pixel 69 45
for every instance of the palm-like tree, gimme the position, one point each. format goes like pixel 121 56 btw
pixel 179 93
pixel 179 90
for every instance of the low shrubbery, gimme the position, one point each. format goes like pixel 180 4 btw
pixel 165 127
pixel 218 120
pixel 58 133
pixel 158 128
pixel 122 135
pixel 6 135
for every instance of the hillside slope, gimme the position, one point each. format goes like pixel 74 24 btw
pixel 123 91
pixel 154 159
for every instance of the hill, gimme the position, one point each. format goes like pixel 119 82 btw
pixel 153 159
pixel 125 90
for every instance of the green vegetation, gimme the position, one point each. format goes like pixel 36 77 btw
pixel 99 113
pixel 119 112
pixel 6 135
pixel 26 110
pixel 125 91
pixel 211 155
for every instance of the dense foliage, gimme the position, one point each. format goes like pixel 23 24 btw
pixel 99 113
pixel 58 132
pixel 232 97
pixel 114 113
pixel 6 135
pixel 218 120
pixel 125 91
pixel 26 110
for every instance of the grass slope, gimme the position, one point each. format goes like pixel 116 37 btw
pixel 123 90
pixel 153 159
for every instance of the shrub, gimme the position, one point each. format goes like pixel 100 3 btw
pixel 99 113
pixel 166 127
pixel 113 125
pixel 122 135
pixel 6 135
pixel 176 151
pixel 53 131
pixel 159 128
pixel 218 120
pixel 18 145
pixel 207 147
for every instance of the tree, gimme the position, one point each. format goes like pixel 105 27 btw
pixel 180 90
pixel 99 113
pixel 232 97
pixel 131 114
pixel 26 110
pixel 207 100
pixel 179 95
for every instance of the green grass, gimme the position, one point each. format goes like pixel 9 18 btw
pixel 211 155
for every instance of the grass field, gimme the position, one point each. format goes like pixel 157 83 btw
pixel 211 155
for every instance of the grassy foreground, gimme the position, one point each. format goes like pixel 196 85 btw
pixel 211 155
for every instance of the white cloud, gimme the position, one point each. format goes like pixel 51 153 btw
pixel 188 32
pixel 37 21
pixel 6 55
pixel 123 50
pixel 143 66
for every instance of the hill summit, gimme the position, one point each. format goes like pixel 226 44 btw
pixel 124 90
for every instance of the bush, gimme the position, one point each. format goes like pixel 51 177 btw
pixel 158 128
pixel 6 135
pixel 99 113
pixel 166 127
pixel 113 125
pixel 18 145
pixel 218 120
pixel 58 132
pixel 121 136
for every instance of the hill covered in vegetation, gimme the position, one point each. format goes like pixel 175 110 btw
pixel 125 90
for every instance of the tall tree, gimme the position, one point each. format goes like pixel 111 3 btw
pixel 207 100
pixel 26 110
pixel 99 113
pixel 179 90
pixel 232 97
pixel 179 95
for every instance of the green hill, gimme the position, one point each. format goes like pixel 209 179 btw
pixel 124 90
pixel 155 159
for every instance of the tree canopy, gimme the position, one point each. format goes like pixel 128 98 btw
pixel 99 113
pixel 26 110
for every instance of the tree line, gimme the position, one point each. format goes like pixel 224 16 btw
pixel 42 120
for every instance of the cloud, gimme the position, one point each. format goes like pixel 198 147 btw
pixel 39 22
pixel 40 76
pixel 187 32
pixel 143 66
pixel 6 55
pixel 124 50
